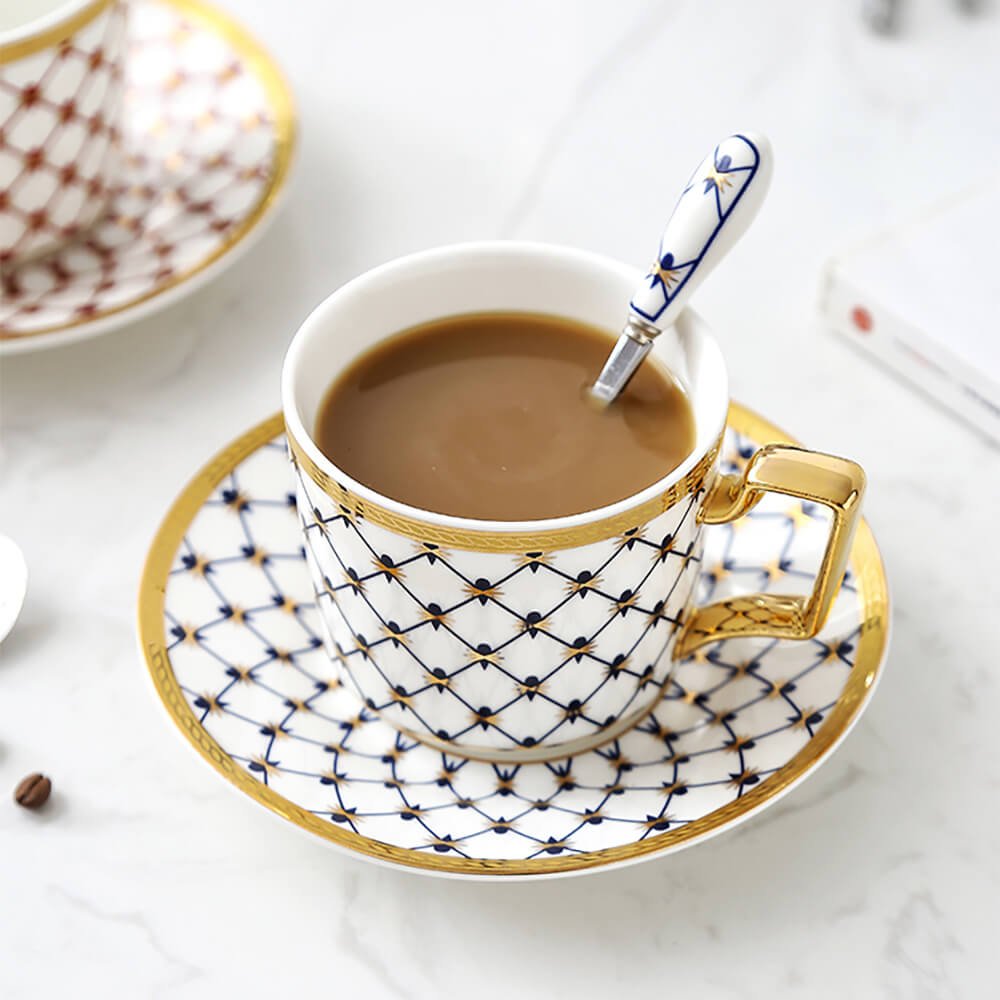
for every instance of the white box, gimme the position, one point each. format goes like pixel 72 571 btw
pixel 924 298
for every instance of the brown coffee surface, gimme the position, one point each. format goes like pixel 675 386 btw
pixel 487 416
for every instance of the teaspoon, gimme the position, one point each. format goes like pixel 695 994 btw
pixel 713 211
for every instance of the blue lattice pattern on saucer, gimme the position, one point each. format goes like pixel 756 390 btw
pixel 244 644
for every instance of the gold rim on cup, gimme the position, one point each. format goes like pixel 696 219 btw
pixel 483 540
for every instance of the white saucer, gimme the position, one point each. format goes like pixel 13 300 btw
pixel 231 638
pixel 207 140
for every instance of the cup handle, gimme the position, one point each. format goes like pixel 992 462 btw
pixel 836 483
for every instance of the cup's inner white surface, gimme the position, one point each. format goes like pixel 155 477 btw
pixel 22 13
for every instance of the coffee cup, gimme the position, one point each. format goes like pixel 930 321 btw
pixel 61 84
pixel 531 640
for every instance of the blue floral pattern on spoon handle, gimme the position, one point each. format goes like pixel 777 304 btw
pixel 713 211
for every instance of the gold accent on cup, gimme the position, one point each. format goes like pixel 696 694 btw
pixel 484 540
pixel 54 34
pixel 837 483
pixel 869 577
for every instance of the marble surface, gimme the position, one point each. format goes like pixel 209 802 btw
pixel 424 124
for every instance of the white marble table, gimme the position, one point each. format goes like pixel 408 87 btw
pixel 429 123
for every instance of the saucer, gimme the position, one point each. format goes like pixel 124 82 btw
pixel 207 141
pixel 230 634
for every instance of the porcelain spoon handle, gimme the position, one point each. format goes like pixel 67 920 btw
pixel 713 211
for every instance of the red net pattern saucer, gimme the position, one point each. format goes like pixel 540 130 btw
pixel 59 139
pixel 207 139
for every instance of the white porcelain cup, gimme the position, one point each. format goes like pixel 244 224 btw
pixel 532 639
pixel 61 83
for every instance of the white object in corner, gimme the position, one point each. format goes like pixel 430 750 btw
pixel 13 584
pixel 921 299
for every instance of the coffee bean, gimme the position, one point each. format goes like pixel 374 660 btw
pixel 33 792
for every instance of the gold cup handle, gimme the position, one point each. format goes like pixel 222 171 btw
pixel 836 483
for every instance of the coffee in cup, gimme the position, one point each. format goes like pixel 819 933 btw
pixel 489 416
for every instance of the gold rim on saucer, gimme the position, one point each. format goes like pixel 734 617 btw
pixel 870 581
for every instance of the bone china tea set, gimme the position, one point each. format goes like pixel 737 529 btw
pixel 511 587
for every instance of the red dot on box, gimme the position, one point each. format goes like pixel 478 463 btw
pixel 861 318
